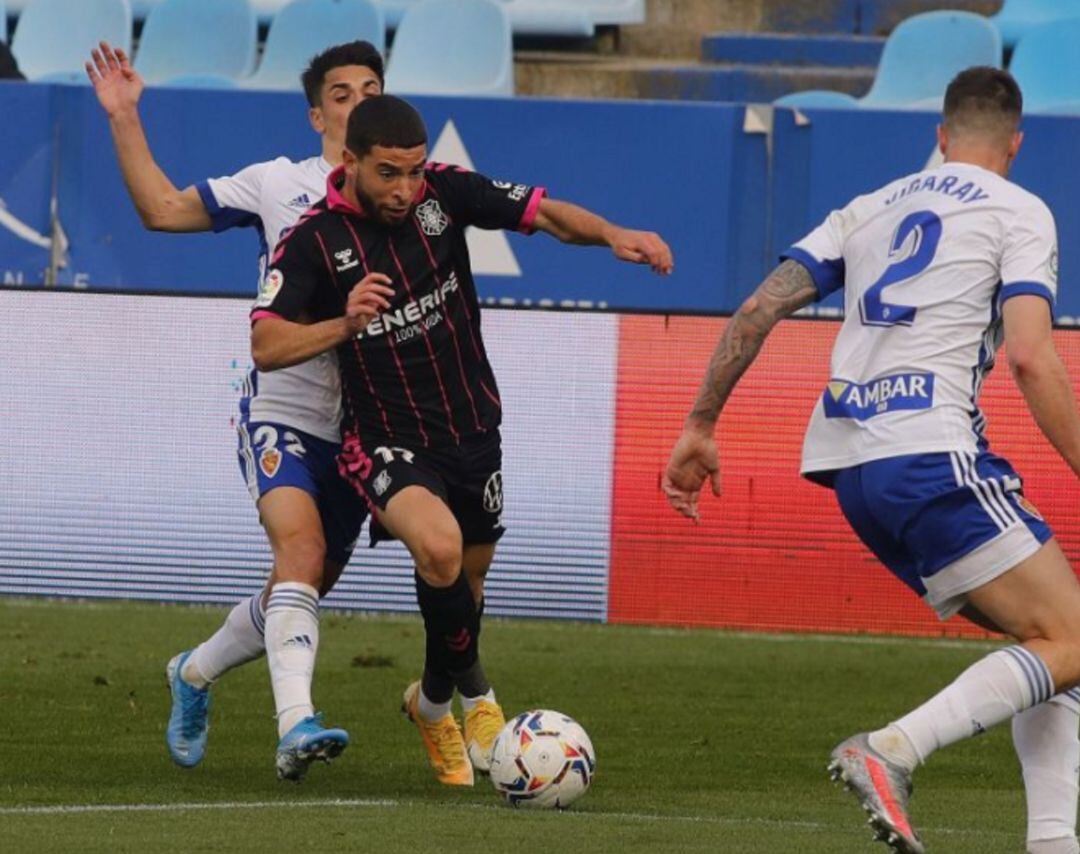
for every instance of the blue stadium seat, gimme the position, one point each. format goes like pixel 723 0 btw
pixel 817 99
pixel 200 81
pixel 541 18
pixel 453 47
pixel 922 55
pixel 394 10
pixel 197 37
pixel 612 12
pixel 1019 17
pixel 307 27
pixel 265 10
pixel 926 51
pixel 53 38
pixel 1047 66
pixel 1065 108
pixel 528 17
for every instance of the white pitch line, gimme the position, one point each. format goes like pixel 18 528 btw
pixel 61 809
pixel 376 803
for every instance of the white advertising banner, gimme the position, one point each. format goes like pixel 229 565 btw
pixel 119 477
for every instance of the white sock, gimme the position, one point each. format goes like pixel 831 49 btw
pixel 292 640
pixel 1064 845
pixel 1047 741
pixel 989 692
pixel 238 641
pixel 430 711
pixel 468 703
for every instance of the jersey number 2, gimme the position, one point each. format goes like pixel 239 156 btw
pixel 923 230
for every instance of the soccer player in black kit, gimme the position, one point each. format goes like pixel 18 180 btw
pixel 379 271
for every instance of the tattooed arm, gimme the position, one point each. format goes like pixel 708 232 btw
pixel 787 289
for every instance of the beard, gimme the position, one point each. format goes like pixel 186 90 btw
pixel 371 207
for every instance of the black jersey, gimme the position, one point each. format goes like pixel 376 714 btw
pixel 418 375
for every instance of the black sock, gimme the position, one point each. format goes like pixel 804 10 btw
pixel 437 687
pixel 451 624
pixel 472 682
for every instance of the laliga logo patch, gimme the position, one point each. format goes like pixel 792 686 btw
pixel 493 494
pixel 432 220
pixel 270 288
pixel 270 461
pixel 382 482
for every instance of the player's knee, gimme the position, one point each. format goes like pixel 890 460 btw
pixel 301 557
pixel 439 561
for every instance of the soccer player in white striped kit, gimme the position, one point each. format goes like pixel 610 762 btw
pixel 937 269
pixel 289 426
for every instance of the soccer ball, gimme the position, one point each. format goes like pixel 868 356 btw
pixel 542 759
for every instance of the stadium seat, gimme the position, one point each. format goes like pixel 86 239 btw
pixel 612 12
pixel 1047 67
pixel 920 58
pixel 306 27
pixel 540 18
pixel 53 38
pixel 1019 17
pixel 197 37
pixel 200 81
pixel 394 10
pixel 453 47
pixel 265 10
pixel 141 8
pixel 818 99
pixel 926 51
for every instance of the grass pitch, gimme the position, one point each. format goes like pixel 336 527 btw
pixel 706 741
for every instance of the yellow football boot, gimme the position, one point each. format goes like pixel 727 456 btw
pixel 442 740
pixel 483 722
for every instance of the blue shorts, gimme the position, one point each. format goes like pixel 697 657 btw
pixel 273 455
pixel 944 524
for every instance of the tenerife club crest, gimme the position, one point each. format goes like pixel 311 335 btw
pixel 432 220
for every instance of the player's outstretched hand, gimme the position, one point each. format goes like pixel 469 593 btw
pixel 371 295
pixel 693 459
pixel 643 247
pixel 118 86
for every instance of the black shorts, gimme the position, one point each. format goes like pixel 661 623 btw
pixel 467 477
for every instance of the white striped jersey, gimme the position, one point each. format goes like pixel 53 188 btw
pixel 925 264
pixel 270 197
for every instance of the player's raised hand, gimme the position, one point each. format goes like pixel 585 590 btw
pixel 371 295
pixel 118 86
pixel 693 459
pixel 643 247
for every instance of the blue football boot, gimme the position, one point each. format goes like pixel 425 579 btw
pixel 304 743
pixel 189 719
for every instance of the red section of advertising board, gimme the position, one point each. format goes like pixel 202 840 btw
pixel 774 552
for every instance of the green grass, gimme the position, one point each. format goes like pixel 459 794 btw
pixel 706 741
